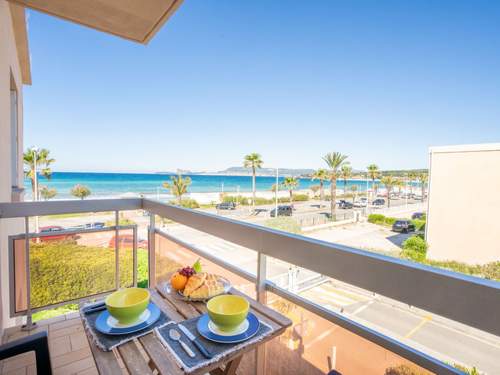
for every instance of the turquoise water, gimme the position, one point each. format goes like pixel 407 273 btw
pixel 115 184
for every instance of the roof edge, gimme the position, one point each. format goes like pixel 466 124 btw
pixel 19 25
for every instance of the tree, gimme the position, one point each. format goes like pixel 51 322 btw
pixel 411 176
pixel 43 162
pixel 345 173
pixel 373 173
pixel 423 178
pixel 321 175
pixel 80 191
pixel 253 161
pixel 178 186
pixel 389 182
pixel 334 160
pixel 354 189
pixel 46 193
pixel 290 184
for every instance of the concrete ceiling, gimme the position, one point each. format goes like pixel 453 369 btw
pixel 136 20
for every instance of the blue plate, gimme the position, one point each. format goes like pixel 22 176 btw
pixel 206 332
pixel 104 322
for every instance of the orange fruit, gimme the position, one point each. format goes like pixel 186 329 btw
pixel 178 281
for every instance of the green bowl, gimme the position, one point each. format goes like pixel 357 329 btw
pixel 126 305
pixel 228 311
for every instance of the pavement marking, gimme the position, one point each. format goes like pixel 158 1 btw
pixel 361 308
pixel 423 322
pixel 320 337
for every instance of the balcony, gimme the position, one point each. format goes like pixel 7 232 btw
pixel 279 269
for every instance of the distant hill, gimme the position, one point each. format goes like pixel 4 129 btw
pixel 241 171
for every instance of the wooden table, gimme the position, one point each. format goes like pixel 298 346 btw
pixel 146 354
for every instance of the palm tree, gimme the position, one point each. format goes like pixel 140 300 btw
pixel 47 193
pixel 41 159
pixel 373 173
pixel 389 183
pixel 290 184
pixel 253 161
pixel 178 186
pixel 412 176
pixel 345 173
pixel 80 191
pixel 423 178
pixel 354 189
pixel 334 160
pixel 321 175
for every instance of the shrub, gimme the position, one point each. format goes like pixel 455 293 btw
pixel 189 203
pixel 376 218
pixel 414 248
pixel 403 370
pixel 390 220
pixel 286 224
pixel 121 221
pixel 300 197
pixel 419 224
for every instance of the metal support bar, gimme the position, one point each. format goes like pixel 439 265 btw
pixel 29 322
pixel 117 250
pixel 134 255
pixel 151 252
pixel 260 286
pixel 38 343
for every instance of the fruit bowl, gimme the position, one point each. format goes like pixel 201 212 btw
pixel 126 305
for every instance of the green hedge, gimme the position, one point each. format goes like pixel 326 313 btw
pixel 186 203
pixel 259 201
pixel 381 219
pixel 414 248
pixel 61 271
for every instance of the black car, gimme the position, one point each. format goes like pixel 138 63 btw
pixel 403 226
pixel 378 202
pixel 345 204
pixel 418 215
pixel 226 206
pixel 282 211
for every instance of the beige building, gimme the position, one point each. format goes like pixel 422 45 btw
pixel 464 203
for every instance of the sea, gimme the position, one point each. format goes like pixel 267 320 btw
pixel 107 185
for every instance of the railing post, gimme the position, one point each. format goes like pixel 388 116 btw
pixel 151 252
pixel 29 323
pixel 117 250
pixel 134 255
pixel 260 352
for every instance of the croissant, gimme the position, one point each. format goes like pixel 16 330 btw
pixel 209 287
pixel 194 282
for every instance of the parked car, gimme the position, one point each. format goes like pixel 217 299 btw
pixel 378 202
pixel 362 202
pixel 97 224
pixel 418 215
pixel 226 206
pixel 56 237
pixel 282 211
pixel 126 241
pixel 345 204
pixel 403 226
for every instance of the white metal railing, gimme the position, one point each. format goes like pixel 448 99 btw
pixel 469 300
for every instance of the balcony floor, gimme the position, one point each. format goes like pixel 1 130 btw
pixel 69 349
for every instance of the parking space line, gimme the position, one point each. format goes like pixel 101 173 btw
pixel 423 322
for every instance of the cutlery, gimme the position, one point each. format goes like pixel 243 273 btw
pixel 97 307
pixel 176 336
pixel 195 341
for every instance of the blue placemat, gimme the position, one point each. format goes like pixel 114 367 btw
pixel 108 342
pixel 219 350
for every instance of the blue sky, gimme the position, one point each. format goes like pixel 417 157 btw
pixel 380 81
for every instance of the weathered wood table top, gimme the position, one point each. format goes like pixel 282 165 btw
pixel 147 353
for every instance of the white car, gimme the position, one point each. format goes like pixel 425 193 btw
pixel 362 202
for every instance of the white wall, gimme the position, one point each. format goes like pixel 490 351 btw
pixel 463 222
pixel 9 65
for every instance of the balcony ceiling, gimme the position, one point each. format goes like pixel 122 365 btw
pixel 130 19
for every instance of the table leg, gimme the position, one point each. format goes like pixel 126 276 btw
pixel 232 366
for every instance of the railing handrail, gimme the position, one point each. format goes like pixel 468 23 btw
pixel 466 299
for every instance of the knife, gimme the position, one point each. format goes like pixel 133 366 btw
pixel 195 341
pixel 97 307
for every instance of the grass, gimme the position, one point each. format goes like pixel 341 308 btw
pixel 78 214
pixel 63 271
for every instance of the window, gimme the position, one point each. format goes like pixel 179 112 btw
pixel 14 134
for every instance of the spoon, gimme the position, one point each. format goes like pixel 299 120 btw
pixel 176 336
